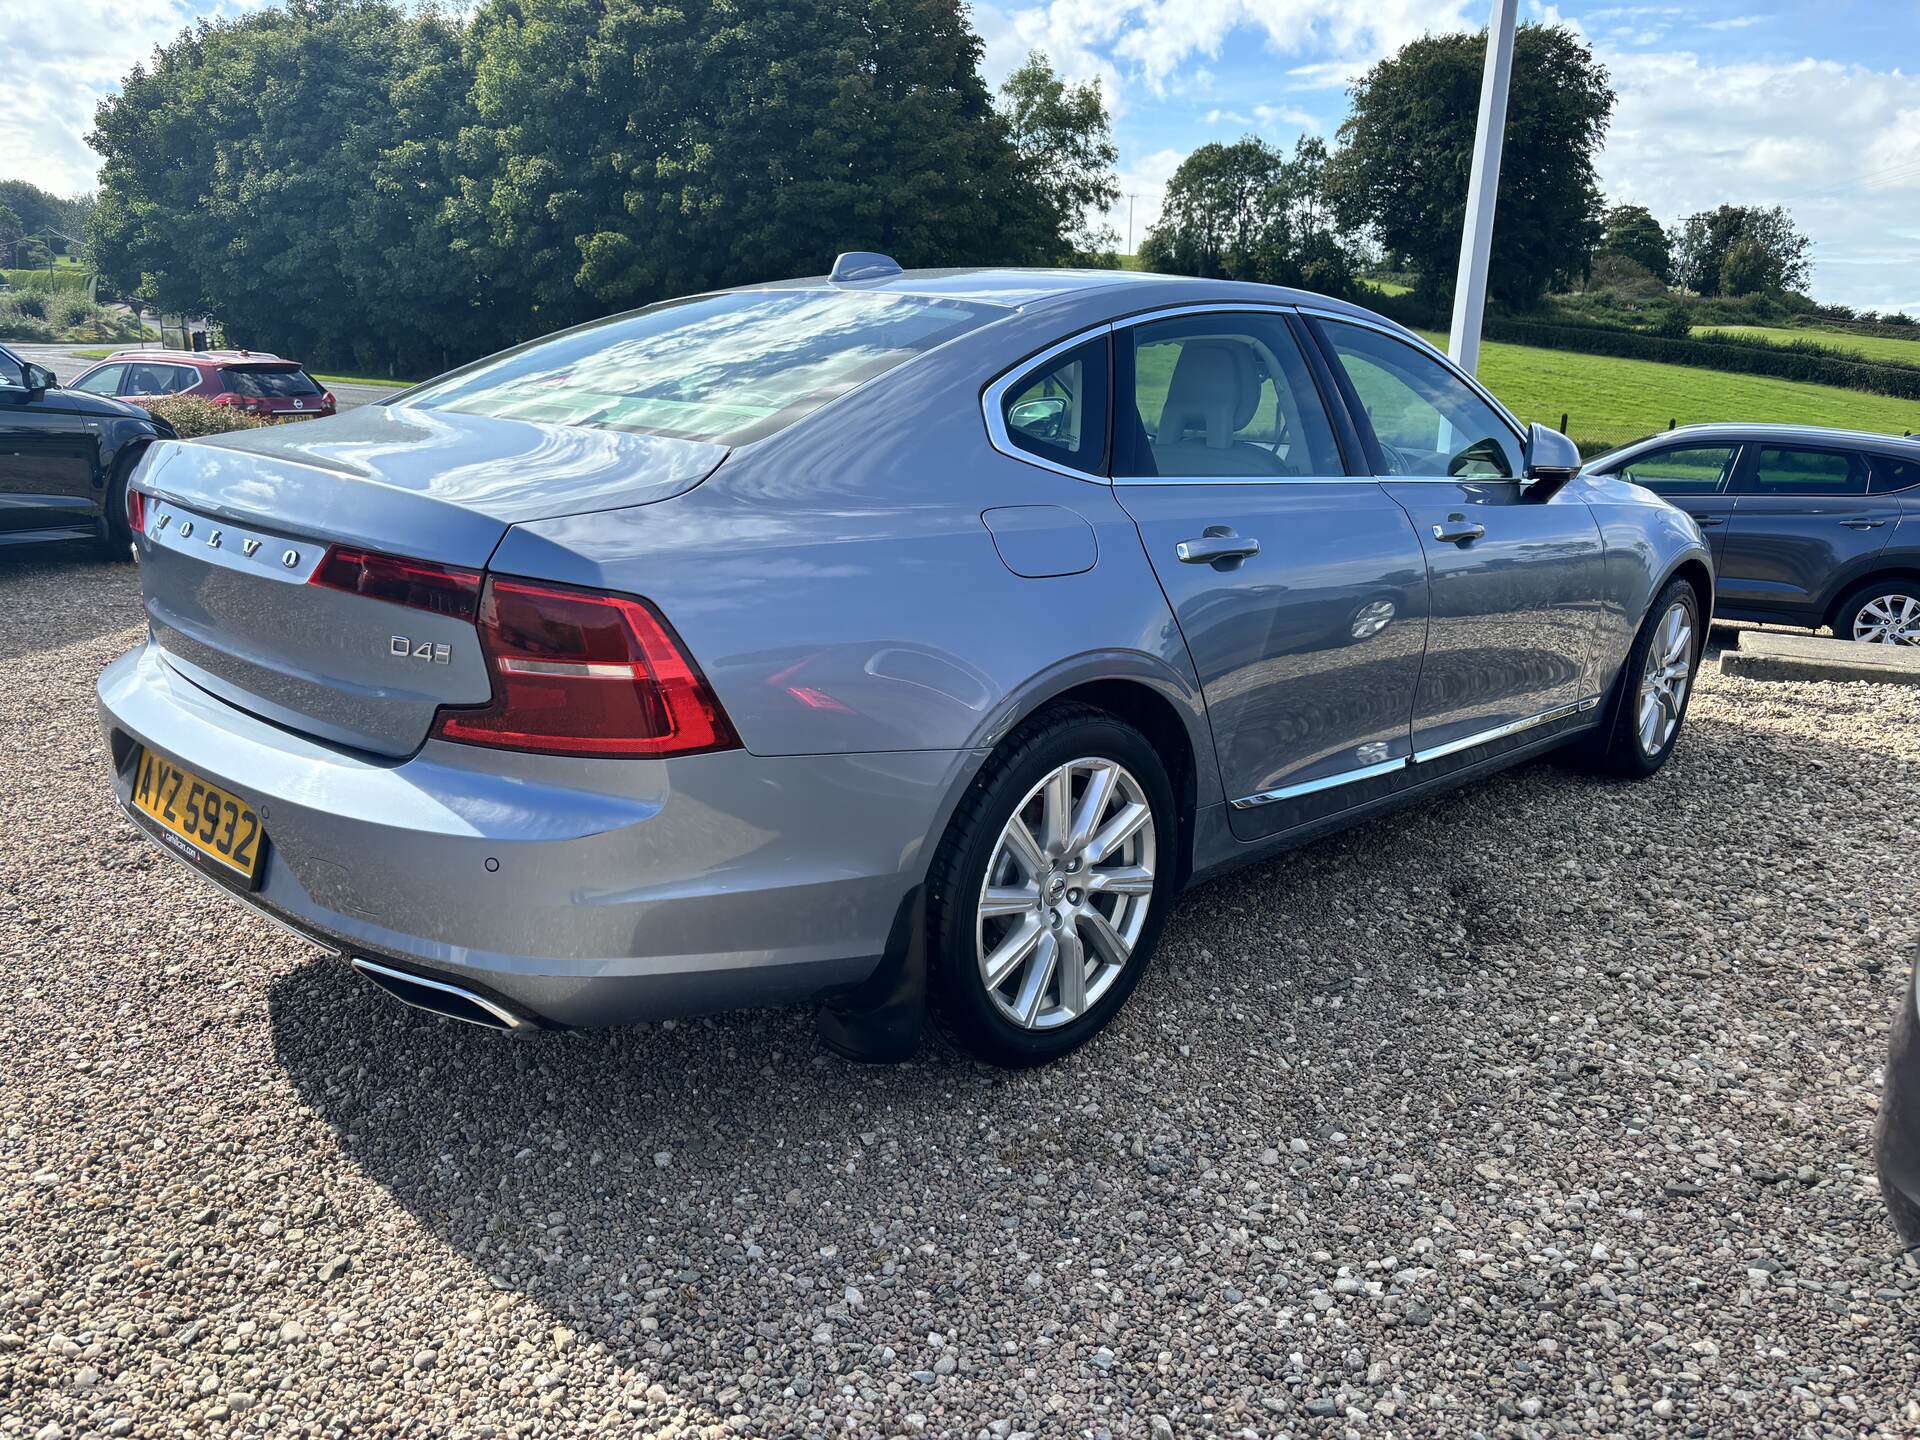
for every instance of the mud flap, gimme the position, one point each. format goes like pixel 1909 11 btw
pixel 879 1021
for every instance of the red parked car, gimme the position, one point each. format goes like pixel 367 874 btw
pixel 250 380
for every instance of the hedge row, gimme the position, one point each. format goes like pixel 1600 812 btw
pixel 66 278
pixel 1800 361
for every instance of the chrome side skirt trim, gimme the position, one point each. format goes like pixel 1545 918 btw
pixel 1325 782
pixel 1501 732
pixel 1419 757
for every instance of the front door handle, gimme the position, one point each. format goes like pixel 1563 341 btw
pixel 1458 530
pixel 1217 545
pixel 1860 522
pixel 1707 522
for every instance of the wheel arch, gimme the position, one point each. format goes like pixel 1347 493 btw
pixel 1907 569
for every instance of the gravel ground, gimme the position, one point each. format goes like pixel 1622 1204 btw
pixel 1541 1109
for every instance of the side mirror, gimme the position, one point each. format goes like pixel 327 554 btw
pixel 38 378
pixel 1552 460
pixel 1039 418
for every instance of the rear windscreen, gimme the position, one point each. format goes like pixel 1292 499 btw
pixel 270 382
pixel 724 368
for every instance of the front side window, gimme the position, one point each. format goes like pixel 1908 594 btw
pixel 104 381
pixel 13 370
pixel 1059 411
pixel 1224 395
pixel 1428 421
pixel 1689 470
pixel 149 379
pixel 1788 470
pixel 728 368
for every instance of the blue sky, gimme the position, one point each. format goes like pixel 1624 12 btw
pixel 1802 104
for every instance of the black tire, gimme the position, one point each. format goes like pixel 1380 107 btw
pixel 959 991
pixel 116 538
pixel 1617 750
pixel 1848 611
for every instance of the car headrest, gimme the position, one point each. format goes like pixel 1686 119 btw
pixel 1214 390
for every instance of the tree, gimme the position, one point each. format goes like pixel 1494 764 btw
pixel 1741 250
pixel 11 232
pixel 624 151
pixel 1246 211
pixel 1406 154
pixel 1067 155
pixel 41 213
pixel 1631 231
pixel 285 172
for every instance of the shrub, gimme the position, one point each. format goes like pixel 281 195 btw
pixel 1672 322
pixel 31 304
pixel 19 324
pixel 193 416
pixel 68 308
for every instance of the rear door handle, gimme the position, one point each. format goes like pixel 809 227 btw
pixel 1860 522
pixel 1217 544
pixel 1458 530
pixel 1707 522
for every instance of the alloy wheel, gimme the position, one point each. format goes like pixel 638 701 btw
pixel 1066 893
pixel 1665 678
pixel 1888 620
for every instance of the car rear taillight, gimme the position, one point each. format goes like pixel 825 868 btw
pixel 579 672
pixel 136 511
pixel 420 584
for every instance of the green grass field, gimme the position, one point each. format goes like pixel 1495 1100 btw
pixel 1610 401
pixel 1864 347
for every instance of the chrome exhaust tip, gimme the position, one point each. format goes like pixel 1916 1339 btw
pixel 441 998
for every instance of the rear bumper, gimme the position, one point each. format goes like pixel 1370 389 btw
pixel 577 892
pixel 1896 1134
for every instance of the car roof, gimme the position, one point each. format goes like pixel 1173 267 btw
pixel 1020 288
pixel 201 357
pixel 1734 431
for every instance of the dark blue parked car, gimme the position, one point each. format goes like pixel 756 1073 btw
pixel 1808 526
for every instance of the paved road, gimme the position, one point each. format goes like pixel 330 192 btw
pixel 66 361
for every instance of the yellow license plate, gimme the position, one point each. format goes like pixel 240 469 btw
pixel 215 822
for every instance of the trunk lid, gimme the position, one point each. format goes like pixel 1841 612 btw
pixel 238 524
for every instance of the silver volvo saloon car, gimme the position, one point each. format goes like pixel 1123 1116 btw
pixel 879 639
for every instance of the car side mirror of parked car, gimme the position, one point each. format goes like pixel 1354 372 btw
pixel 1552 460
pixel 39 379
pixel 1040 418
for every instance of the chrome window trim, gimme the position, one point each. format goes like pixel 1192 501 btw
pixel 1419 757
pixel 996 391
pixel 1407 337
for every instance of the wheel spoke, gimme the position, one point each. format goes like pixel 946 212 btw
pixel 1649 723
pixel 1117 831
pixel 1093 803
pixel 1008 900
pixel 1072 972
pixel 1057 811
pixel 1033 989
pixel 1099 933
pixel 1012 952
pixel 1120 880
pixel 1024 849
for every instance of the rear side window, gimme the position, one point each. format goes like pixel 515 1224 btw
pixel 1222 395
pixel 1428 421
pixel 144 378
pixel 1689 470
pixel 1890 475
pixel 1789 470
pixel 727 368
pixel 269 382
pixel 1059 411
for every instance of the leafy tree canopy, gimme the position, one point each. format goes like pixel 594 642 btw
pixel 1407 153
pixel 1741 250
pixel 1630 231
pixel 1067 155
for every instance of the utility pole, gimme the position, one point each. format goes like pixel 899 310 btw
pixel 1476 241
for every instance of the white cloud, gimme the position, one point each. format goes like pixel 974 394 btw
pixel 1839 145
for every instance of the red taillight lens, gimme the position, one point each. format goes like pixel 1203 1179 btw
pixel 136 511
pixel 443 589
pixel 576 672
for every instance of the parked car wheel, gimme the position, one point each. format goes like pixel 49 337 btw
pixel 116 537
pixel 1050 888
pixel 1655 685
pixel 1882 612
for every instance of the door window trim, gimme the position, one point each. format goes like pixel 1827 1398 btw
pixel 993 405
pixel 1333 406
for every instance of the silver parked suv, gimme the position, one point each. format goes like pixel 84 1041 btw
pixel 866 637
